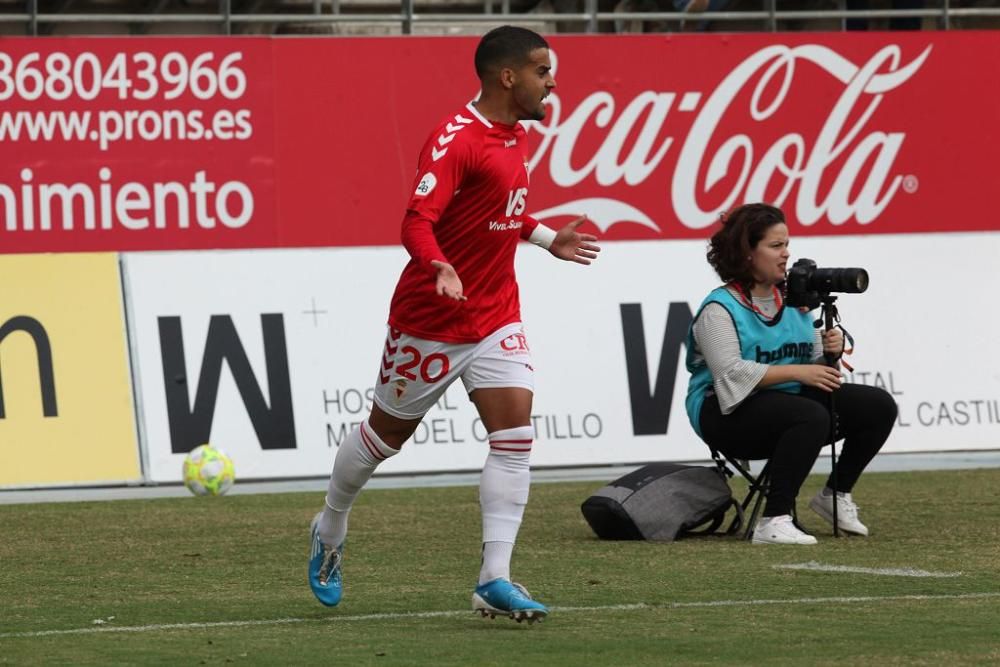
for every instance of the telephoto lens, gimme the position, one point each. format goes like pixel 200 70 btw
pixel 807 285
pixel 852 281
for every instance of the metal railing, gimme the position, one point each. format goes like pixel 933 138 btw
pixel 225 18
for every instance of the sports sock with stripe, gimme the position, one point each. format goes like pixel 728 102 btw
pixel 503 494
pixel 358 456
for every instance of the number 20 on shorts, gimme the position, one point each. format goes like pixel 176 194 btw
pixel 432 368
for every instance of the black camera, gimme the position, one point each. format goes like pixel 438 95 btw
pixel 806 285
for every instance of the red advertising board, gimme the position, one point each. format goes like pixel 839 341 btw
pixel 118 144
pixel 183 143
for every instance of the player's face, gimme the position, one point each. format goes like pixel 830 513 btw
pixel 533 84
pixel 769 258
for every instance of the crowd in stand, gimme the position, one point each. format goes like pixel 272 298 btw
pixel 629 16
pixel 702 10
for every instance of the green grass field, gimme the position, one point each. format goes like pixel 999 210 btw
pixel 216 581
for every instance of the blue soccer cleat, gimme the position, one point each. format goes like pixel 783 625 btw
pixel 325 578
pixel 503 598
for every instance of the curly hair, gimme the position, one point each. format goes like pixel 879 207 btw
pixel 730 247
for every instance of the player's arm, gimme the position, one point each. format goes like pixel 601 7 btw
pixel 528 227
pixel 567 243
pixel 439 176
pixel 419 240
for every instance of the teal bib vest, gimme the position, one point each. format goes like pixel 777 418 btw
pixel 787 339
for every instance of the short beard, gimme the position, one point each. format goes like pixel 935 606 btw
pixel 538 115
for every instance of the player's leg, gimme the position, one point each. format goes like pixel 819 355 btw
pixel 371 442
pixel 506 476
pixel 408 385
pixel 500 382
pixel 503 495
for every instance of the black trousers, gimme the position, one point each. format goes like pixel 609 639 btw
pixel 790 429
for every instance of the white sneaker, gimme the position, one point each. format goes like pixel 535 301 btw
pixel 847 511
pixel 780 530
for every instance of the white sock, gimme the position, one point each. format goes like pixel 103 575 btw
pixel 358 456
pixel 503 494
pixel 496 561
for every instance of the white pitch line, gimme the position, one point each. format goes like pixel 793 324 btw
pixel 455 614
pixel 881 571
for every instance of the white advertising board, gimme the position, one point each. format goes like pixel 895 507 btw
pixel 272 354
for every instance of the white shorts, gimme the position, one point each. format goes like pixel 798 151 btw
pixel 414 373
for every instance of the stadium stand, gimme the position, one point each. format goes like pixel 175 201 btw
pixel 456 17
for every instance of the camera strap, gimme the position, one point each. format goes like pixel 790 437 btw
pixel 848 338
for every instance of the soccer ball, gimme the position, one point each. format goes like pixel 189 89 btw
pixel 208 471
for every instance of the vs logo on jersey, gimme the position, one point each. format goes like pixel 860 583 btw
pixel 426 185
pixel 516 201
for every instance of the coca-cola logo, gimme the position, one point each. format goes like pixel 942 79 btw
pixel 633 150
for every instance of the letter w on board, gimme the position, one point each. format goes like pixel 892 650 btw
pixel 651 409
pixel 190 427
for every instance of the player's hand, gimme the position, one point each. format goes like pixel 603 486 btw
pixel 820 376
pixel 833 342
pixel 573 246
pixel 448 283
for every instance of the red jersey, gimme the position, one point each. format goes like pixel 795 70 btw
pixel 471 189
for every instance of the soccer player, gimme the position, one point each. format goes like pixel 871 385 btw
pixel 456 314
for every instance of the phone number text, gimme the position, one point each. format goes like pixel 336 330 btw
pixel 137 76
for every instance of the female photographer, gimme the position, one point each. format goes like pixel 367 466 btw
pixel 759 385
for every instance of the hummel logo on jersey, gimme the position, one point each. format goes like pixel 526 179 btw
pixel 510 143
pixel 426 185
pixel 516 201
pixel 444 139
